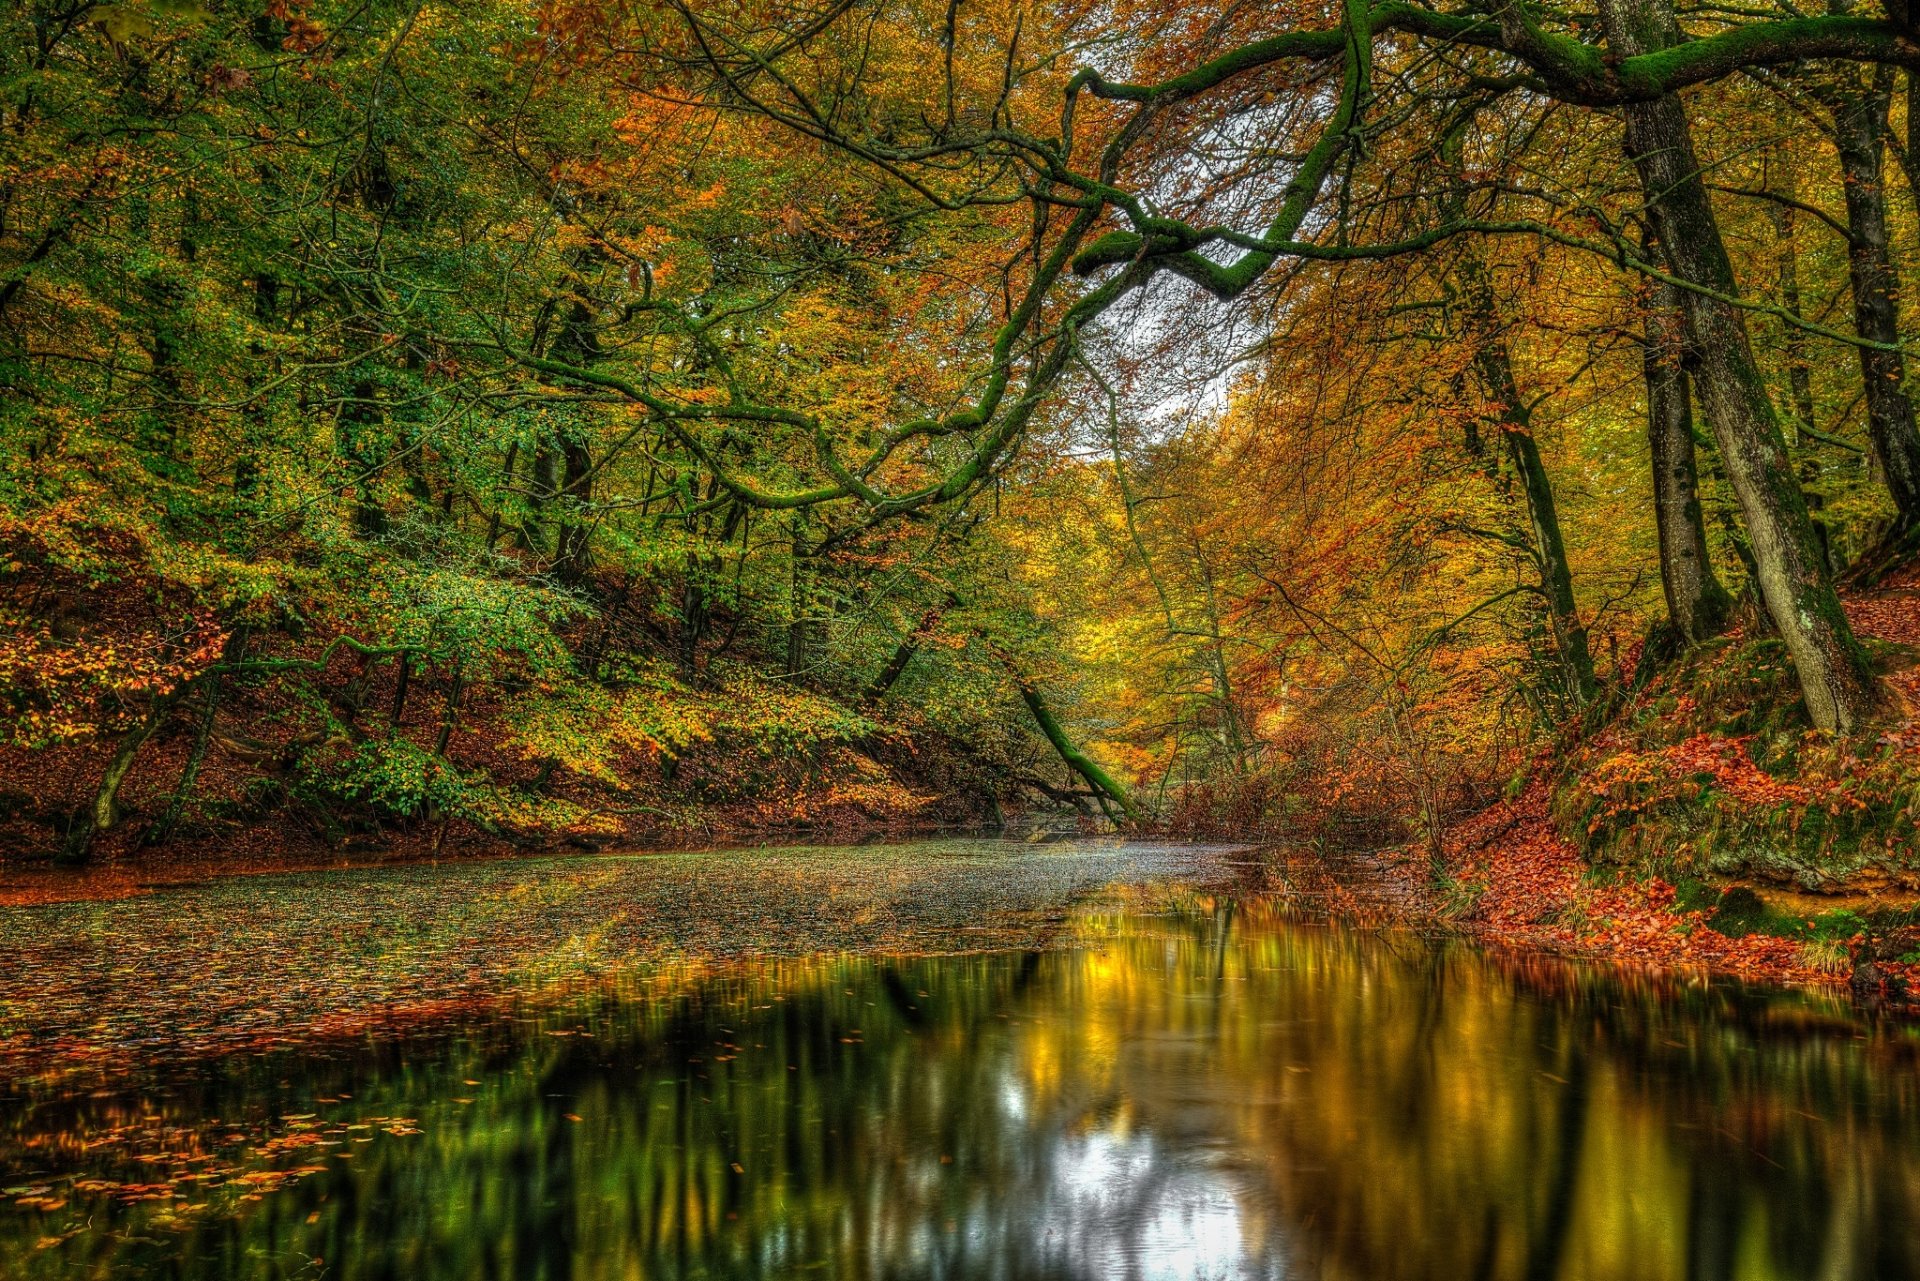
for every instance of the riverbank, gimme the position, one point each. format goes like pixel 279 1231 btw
pixel 1701 827
pixel 1511 879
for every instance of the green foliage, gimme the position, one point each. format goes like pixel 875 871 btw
pixel 399 781
pixel 1741 912
pixel 275 457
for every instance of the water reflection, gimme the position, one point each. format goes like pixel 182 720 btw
pixel 1196 1089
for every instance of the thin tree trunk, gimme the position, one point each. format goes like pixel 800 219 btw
pixel 573 534
pixel 573 539
pixel 104 811
pixel 403 679
pixel 506 482
pixel 798 602
pixel 452 711
pixel 1859 130
pixel 902 655
pixel 162 829
pixel 1556 576
pixel 1233 738
pixel 1793 340
pixel 449 714
pixel 1493 361
pixel 1834 676
pixel 1696 602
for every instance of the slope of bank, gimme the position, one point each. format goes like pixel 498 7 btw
pixel 1703 827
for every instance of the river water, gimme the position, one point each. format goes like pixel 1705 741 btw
pixel 964 1061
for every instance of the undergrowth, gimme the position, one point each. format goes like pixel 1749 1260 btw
pixel 1711 771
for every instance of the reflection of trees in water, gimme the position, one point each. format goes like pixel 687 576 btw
pixel 1197 1086
pixel 1628 1129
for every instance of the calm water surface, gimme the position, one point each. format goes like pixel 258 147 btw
pixel 1187 1082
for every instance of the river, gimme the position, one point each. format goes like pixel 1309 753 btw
pixel 957 1060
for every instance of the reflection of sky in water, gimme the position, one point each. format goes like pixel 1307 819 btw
pixel 1116 1203
pixel 1120 1208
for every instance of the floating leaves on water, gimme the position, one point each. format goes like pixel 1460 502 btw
pixel 263 962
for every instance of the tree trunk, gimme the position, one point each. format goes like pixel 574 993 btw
pixel 506 483
pixel 1233 736
pixel 403 679
pixel 1696 602
pixel 451 712
pixel 1078 761
pixel 162 829
pixel 1493 361
pixel 902 655
pixel 1556 577
pixel 1834 676
pixel 1793 339
pixel 573 534
pixel 799 600
pixel 104 811
pixel 1859 131
pixel 573 538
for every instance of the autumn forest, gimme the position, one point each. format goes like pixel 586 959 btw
pixel 505 425
pixel 894 638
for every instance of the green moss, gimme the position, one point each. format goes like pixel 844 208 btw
pixel 1694 895
pixel 1835 926
pixel 1741 912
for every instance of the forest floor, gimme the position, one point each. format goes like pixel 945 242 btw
pixel 1513 878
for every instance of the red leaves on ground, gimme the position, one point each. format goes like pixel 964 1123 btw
pixel 1537 894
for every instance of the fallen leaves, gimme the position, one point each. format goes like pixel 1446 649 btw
pixel 1535 892
pixel 259 962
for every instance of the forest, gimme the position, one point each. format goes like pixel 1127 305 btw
pixel 502 425
pixel 894 639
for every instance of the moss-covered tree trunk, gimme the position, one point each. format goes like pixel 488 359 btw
pixel 1697 605
pixel 1103 783
pixel 1791 568
pixel 1860 134
pixel 103 812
